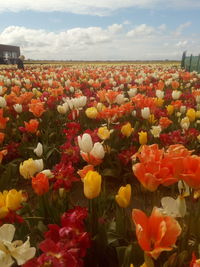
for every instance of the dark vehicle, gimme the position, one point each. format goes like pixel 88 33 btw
pixel 9 54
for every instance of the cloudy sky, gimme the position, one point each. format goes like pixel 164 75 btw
pixel 101 29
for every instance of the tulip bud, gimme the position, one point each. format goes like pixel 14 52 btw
pixel 145 112
pixel 191 114
pixel 38 150
pixel 159 93
pixel 39 164
pixel 2 102
pixel 62 109
pixel 142 138
pixel 132 92
pixel 17 108
pixel 127 129
pixel 85 143
pixel 103 133
pixel 176 94
pixel 91 112
pixel 48 173
pixel 124 195
pixel 98 151
pixel 92 184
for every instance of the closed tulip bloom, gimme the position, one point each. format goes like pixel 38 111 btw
pixel 127 129
pixel 85 143
pixel 145 112
pixel 176 94
pixel 40 184
pixel 98 151
pixel 17 108
pixel 28 168
pixel 142 138
pixel 159 93
pixel 62 109
pixel 91 112
pixel 124 195
pixel 92 184
pixel 191 114
pixel 39 164
pixel 13 199
pixel 38 150
pixel 103 133
pixel 185 123
pixel 3 103
pixel 170 109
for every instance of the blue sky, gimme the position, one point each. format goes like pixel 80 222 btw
pixel 105 30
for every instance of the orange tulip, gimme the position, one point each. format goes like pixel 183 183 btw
pixel 31 126
pixel 164 122
pixel 36 107
pixel 191 172
pixel 156 233
pixel 3 120
pixel 40 184
pixel 153 170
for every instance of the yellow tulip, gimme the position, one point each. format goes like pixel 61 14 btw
pixel 28 168
pixel 13 199
pixel 191 114
pixel 159 102
pixel 142 138
pixel 124 195
pixel 92 184
pixel 127 129
pixel 91 112
pixel 103 133
pixel 152 119
pixel 170 109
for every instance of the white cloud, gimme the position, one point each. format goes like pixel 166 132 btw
pixel 96 43
pixel 181 28
pixel 141 30
pixel 92 7
pixel 182 44
pixel 115 28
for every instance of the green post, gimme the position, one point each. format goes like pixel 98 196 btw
pixel 198 64
pixel 190 64
pixel 183 60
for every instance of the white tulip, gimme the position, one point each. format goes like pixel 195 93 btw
pixel 39 164
pixel 3 103
pixel 183 109
pixel 159 93
pixel 98 151
pixel 119 99
pixel 62 109
pixel 185 123
pixel 176 94
pixel 132 92
pixel 17 108
pixel 38 150
pixel 85 143
pixel 145 112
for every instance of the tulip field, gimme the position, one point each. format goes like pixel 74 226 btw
pixel 99 166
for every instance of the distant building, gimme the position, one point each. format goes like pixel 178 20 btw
pixel 9 54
